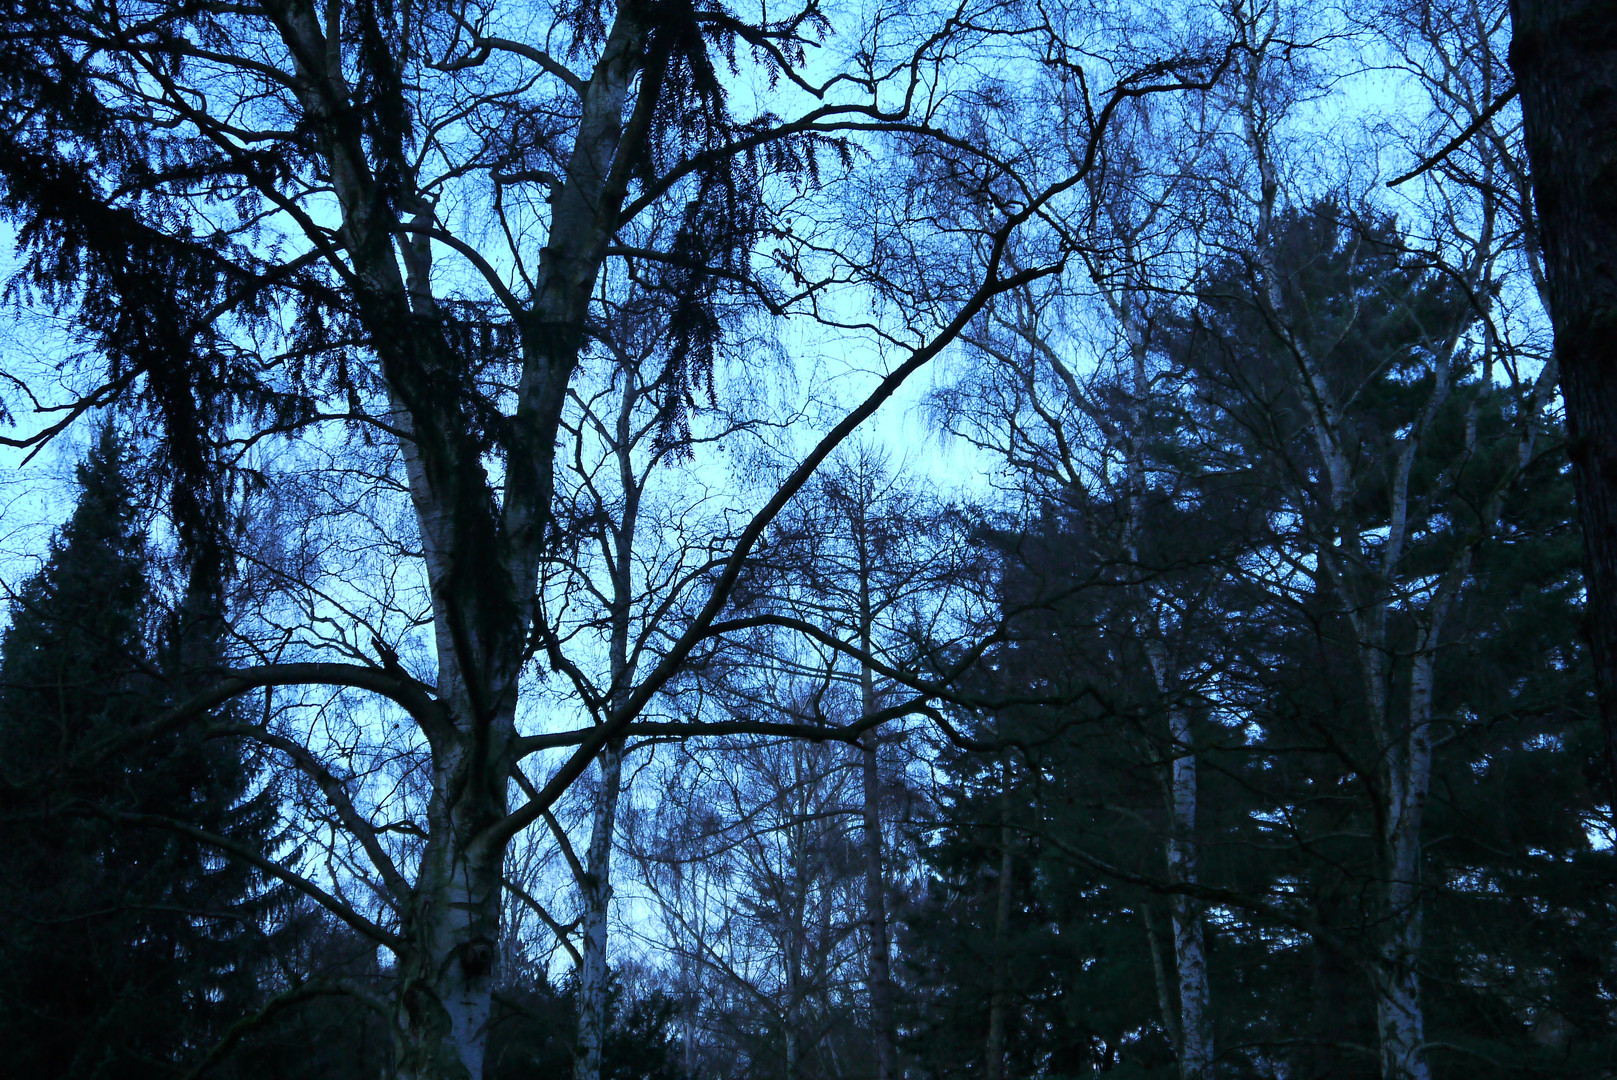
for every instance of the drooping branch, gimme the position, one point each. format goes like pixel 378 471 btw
pixel 414 696
pixel 336 793
pixel 241 851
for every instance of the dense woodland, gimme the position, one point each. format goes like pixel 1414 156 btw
pixel 676 540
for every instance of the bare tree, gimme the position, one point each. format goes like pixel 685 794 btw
pixel 1475 243
pixel 751 857
pixel 1079 439
pixel 867 560
pixel 367 240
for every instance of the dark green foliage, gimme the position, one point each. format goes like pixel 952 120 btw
pixel 1511 879
pixel 125 949
pixel 317 1018
pixel 145 294
pixel 534 1025
pixel 1519 949
pixel 1075 953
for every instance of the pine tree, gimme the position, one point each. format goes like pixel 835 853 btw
pixel 125 951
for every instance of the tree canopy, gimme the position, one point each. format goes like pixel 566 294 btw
pixel 683 538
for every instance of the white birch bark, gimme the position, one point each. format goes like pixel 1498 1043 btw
pixel 1400 1021
pixel 596 888
pixel 1194 1042
pixel 481 572
pixel 1196 1035
pixel 1159 973
pixel 1369 581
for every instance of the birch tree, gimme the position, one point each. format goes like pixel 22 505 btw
pixel 1476 242
pixel 871 561
pixel 368 238
pixel 1079 434
pixel 753 861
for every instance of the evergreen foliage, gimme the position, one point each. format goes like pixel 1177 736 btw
pixel 1515 889
pixel 535 1023
pixel 125 950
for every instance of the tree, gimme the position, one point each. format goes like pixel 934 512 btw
pixel 1411 495
pixel 1296 875
pixel 866 560
pixel 123 949
pixel 1564 56
pixel 751 860
pixel 367 244
pixel 530 1033
pixel 1096 444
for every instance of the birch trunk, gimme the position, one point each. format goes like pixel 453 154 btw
pixel 1399 1016
pixel 1159 973
pixel 446 974
pixel 597 896
pixel 596 884
pixel 482 565
pixel 1196 1035
pixel 1365 592
pixel 446 984
pixel 791 1015
pixel 1194 1031
pixel 1370 583
pixel 1194 1042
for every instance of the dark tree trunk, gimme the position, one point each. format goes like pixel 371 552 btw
pixel 1565 59
pixel 999 996
pixel 879 977
pixel 1343 1025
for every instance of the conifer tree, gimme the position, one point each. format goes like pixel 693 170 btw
pixel 126 951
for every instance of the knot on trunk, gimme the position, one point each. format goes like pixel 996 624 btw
pixel 476 957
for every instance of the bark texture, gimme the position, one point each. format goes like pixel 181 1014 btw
pixel 597 895
pixel 595 885
pixel 1564 54
pixel 1195 1026
pixel 1193 1032
pixel 482 563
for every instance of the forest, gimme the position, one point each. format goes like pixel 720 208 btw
pixel 899 540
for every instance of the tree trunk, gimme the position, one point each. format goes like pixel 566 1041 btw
pixel 1196 1035
pixel 1194 1042
pixel 597 895
pixel 999 996
pixel 1398 1007
pixel 1194 1039
pixel 1564 55
pixel 1159 973
pixel 790 1017
pixel 446 978
pixel 879 977
pixel 596 886
pixel 794 912
pixel 1408 777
